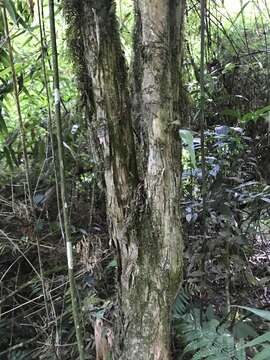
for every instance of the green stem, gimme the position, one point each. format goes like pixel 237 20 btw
pixel 19 113
pixel 75 307
pixel 202 111
pixel 50 122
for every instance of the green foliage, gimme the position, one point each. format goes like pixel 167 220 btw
pixel 237 199
pixel 202 336
pixel 28 65
pixel 18 12
pixel 188 150
pixel 126 22
pixel 262 313
pixel 237 66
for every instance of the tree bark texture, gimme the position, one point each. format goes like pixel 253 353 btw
pixel 142 173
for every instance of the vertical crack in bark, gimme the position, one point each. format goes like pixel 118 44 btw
pixel 157 58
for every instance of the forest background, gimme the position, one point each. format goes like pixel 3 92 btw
pixel 222 311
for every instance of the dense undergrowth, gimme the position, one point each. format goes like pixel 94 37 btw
pixel 226 218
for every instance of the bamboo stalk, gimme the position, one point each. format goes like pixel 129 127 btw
pixel 27 170
pixel 202 111
pixel 56 81
pixel 50 122
pixel 18 107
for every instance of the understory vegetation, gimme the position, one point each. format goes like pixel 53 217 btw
pixel 222 310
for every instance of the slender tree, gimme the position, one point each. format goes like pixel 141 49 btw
pixel 142 172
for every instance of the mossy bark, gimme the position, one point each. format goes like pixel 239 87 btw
pixel 143 177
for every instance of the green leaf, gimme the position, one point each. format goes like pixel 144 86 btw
pixel 249 116
pixel 254 115
pixel 13 156
pixel 205 353
pixel 187 139
pixel 228 67
pixel 243 330
pixel 112 264
pixel 8 157
pixel 210 313
pixel 4 58
pixel 100 314
pixel 227 342
pixel 241 353
pixel 266 199
pixel 11 8
pixel 241 11
pixel 233 113
pixel 28 40
pixel 263 110
pixel 69 148
pixel 257 341
pixel 263 355
pixel 262 313
pixel 197 345
pixel 9 5
pixel 3 126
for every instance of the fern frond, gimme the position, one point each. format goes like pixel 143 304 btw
pixel 184 299
pixel 196 344
pixel 180 305
pixel 227 344
pixel 240 354
pixel 206 353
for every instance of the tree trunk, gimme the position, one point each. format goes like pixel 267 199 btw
pixel 142 177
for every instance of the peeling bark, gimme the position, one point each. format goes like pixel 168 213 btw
pixel 142 200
